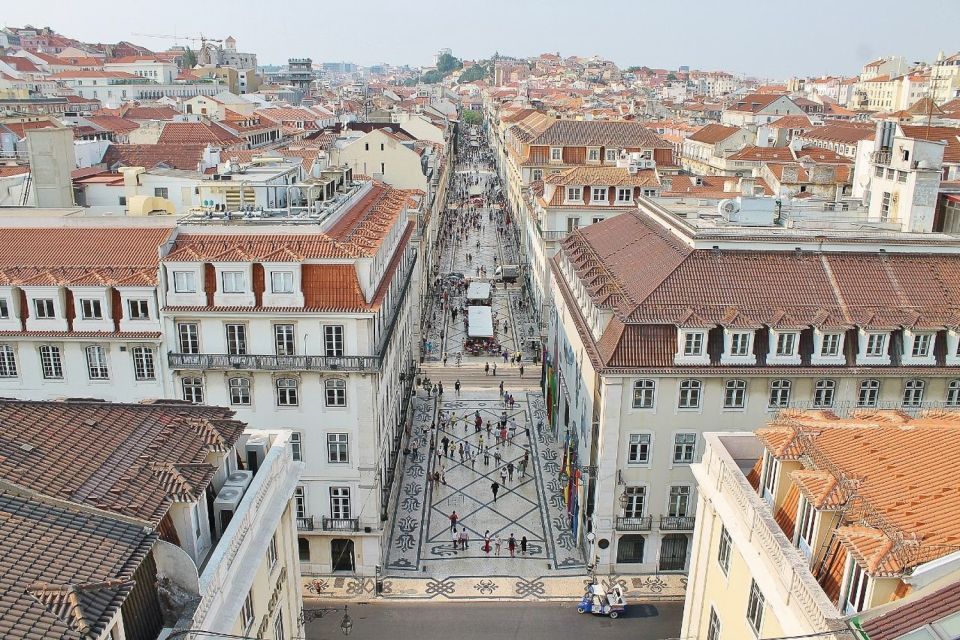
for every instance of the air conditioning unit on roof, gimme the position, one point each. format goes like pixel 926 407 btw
pixel 225 507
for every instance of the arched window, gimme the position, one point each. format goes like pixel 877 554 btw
pixel 336 392
pixel 735 394
pixel 239 391
pixel 288 392
pixel 868 393
pixel 913 393
pixel 823 393
pixel 779 393
pixel 644 392
pixel 689 394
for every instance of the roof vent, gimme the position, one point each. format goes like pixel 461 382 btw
pixel 27 447
pixel 90 422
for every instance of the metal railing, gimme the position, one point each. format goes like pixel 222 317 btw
pixel 634 524
pixel 226 361
pixel 305 524
pixel 677 523
pixel 881 157
pixel 341 524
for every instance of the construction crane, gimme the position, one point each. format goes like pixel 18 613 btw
pixel 203 40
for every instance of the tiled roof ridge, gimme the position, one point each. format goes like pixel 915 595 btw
pixel 79 606
pixel 68 505
pixel 185 482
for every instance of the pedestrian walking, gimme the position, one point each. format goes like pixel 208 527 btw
pixel 510 470
pixel 523 545
pixel 461 451
pixel 456 386
pixel 486 541
pixel 453 520
pixel 503 475
pixel 495 487
pixel 501 388
pixel 486 369
pixel 512 545
pixel 486 457
pixel 444 358
pixel 521 370
pixel 496 456
pixel 498 541
pixel 440 389
pixel 464 539
pixel 495 372
pixel 456 539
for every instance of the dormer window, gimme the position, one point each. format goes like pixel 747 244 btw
pixel 693 344
pixel 281 282
pixel 786 345
pixel 740 343
pixel 138 309
pixel 918 347
pixel 593 155
pixel 91 309
pixel 624 195
pixel 876 345
pixel 184 282
pixel 574 194
pixel 45 308
pixel 598 195
pixel 830 345
pixel 4 309
pixel 611 155
pixel 233 282
pixel 556 154
pixel 692 347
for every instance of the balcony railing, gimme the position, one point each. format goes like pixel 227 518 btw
pixel 881 157
pixel 341 524
pixel 677 523
pixel 223 361
pixel 305 524
pixel 634 524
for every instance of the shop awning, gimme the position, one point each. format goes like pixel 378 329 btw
pixel 481 322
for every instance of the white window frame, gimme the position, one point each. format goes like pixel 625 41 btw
pixel 285 339
pixel 272 554
pixel 768 479
pixel 824 393
pixel 247 614
pixel 786 344
pixel 611 155
pixel 684 447
pixel 282 278
pixel 806 527
pixel 624 195
pixel 188 337
pixel 953 393
pixel 724 549
pixel 138 309
pixel 239 390
pixel 740 343
pixel 338 448
pixel 639 447
pixel 678 495
pixel 91 309
pixel 574 194
pixel 738 388
pixel 335 392
pixel 634 501
pixel 235 335
pixel 96 357
pixel 868 393
pixel 593 154
pixel 340 506
pixel 830 345
pixel 644 393
pixel 556 154
pixel 287 391
pixel 4 309
pixel 690 395
pixel 144 363
pixel 296 445
pixel 233 282
pixel 184 281
pixel 780 390
pixel 603 192
pixel 51 362
pixel 191 388
pixel 8 361
pixel 45 308
pixel 856 588
pixel 693 344
pixel 333 340
pixel 755 605
pixel 913 392
pixel 300 501
pixel 713 626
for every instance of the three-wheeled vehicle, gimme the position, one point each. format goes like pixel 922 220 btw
pixel 603 602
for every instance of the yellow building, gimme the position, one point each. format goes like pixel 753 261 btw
pixel 815 523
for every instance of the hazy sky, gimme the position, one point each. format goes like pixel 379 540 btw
pixel 768 38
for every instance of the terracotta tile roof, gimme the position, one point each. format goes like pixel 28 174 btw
pixel 713 133
pixel 950 135
pixel 605 133
pixel 763 154
pixel 709 187
pixel 822 156
pixel 197 132
pixel 149 113
pixel 23 65
pixel 332 287
pixel 914 614
pixel 105 455
pixel 604 176
pixel 754 102
pixel 792 122
pixel 841 133
pixel 186 156
pixel 113 123
pixel 100 256
pixel 70 589
pixel 903 510
pixel 6 172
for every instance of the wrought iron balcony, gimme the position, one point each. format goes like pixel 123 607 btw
pixel 341 524
pixel 677 523
pixel 305 524
pixel 224 361
pixel 634 524
pixel 881 157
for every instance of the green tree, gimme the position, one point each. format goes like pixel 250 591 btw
pixel 471 117
pixel 189 59
pixel 432 77
pixel 474 73
pixel 447 63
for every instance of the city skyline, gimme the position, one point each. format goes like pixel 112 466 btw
pixel 690 40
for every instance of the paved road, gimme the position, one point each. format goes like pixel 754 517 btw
pixel 496 621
